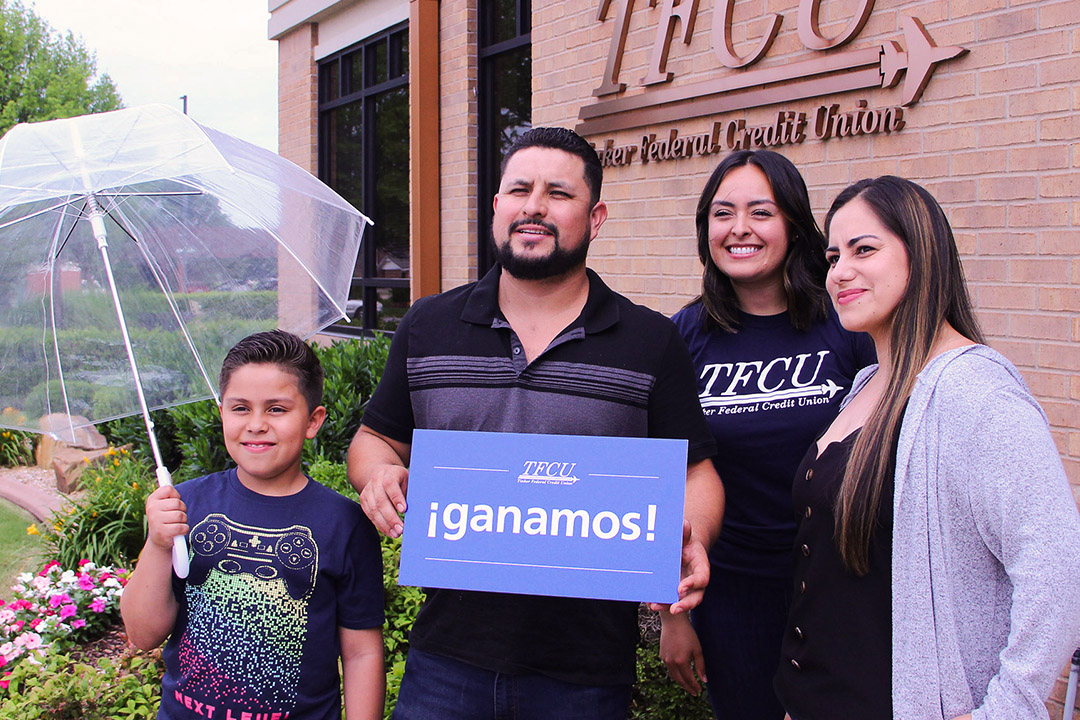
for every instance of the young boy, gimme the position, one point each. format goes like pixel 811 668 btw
pixel 286 575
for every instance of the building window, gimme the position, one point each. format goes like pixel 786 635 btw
pixel 505 101
pixel 364 156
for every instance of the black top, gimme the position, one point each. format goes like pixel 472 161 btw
pixel 619 369
pixel 836 657
pixel 767 391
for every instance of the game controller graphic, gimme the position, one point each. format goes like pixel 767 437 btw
pixel 234 548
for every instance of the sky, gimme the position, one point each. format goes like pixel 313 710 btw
pixel 214 51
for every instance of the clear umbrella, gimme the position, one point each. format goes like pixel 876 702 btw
pixel 136 247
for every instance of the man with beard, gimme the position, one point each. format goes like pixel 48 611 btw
pixel 539 345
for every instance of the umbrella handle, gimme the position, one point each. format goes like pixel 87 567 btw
pixel 180 557
pixel 179 548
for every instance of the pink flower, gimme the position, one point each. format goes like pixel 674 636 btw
pixel 17 625
pixel 59 599
pixel 84 561
pixel 48 566
pixel 86 582
pixel 29 640
pixel 67 611
pixel 36 623
pixel 98 605
pixel 78 623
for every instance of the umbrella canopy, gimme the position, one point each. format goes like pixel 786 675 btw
pixel 209 239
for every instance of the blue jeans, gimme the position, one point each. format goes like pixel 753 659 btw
pixel 441 688
pixel 740 624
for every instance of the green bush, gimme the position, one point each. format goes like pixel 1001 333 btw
pixel 352 369
pixel 65 688
pixel 107 524
pixel 656 696
pixel 197 428
pixel 131 431
pixel 16 448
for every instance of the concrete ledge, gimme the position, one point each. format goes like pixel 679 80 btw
pixel 38 503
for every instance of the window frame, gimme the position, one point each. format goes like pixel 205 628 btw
pixel 487 176
pixel 368 282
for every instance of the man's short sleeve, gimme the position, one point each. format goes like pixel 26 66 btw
pixel 674 407
pixel 390 410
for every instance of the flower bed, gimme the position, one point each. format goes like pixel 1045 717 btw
pixel 56 609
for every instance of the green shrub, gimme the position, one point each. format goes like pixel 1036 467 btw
pixel 16 448
pixel 131 430
pixel 107 524
pixel 352 369
pixel 401 604
pixel 332 475
pixel 64 688
pixel 655 695
pixel 197 428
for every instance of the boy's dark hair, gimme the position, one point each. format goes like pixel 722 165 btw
pixel 558 138
pixel 288 352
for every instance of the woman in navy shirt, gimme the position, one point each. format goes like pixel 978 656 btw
pixel 773 364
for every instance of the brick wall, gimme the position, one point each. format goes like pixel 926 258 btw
pixel 457 140
pixel 298 97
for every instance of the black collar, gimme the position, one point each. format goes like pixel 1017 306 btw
pixel 601 309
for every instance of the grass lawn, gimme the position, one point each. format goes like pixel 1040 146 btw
pixel 19 552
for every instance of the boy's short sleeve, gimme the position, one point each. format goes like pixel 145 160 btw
pixel 360 590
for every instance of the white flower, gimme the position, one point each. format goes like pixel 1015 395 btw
pixel 7 649
pixel 25 578
pixel 112 583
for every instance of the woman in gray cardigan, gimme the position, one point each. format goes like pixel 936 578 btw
pixel 948 585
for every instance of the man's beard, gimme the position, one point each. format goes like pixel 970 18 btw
pixel 558 262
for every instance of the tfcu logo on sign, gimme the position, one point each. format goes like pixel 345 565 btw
pixel 740 87
pixel 548 472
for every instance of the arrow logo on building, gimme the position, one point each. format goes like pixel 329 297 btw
pixel 872 67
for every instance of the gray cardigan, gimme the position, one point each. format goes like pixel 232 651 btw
pixel 986 546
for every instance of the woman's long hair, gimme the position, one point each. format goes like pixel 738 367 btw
pixel 804 266
pixel 935 293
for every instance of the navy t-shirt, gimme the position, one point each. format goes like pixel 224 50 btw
pixel 766 392
pixel 272 579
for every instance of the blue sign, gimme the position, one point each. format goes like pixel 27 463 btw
pixel 564 515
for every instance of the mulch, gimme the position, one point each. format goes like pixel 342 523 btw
pixel 112 644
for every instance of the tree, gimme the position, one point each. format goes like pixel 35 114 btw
pixel 45 76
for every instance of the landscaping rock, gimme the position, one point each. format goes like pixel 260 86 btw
pixel 86 438
pixel 69 463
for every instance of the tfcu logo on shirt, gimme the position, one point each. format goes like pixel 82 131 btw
pixel 782 382
pixel 548 472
